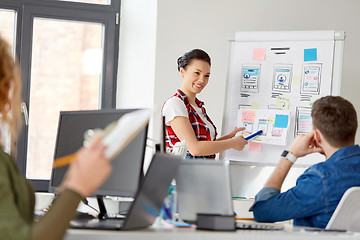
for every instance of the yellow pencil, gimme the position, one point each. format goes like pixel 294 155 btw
pixel 63 161
pixel 248 219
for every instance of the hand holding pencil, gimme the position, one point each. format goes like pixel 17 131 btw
pixel 254 135
pixel 89 171
pixel 63 161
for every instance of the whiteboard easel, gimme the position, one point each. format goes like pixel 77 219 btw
pixel 329 46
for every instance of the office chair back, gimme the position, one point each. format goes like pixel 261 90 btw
pixel 347 214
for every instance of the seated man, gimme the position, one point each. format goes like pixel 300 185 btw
pixel 319 189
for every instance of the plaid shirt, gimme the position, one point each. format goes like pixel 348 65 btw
pixel 202 132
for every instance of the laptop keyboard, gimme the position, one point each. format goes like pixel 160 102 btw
pixel 107 224
pixel 117 224
pixel 242 224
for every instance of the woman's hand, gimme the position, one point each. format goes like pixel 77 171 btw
pixel 89 171
pixel 232 133
pixel 239 143
pixel 235 131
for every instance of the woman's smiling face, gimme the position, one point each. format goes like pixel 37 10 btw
pixel 195 76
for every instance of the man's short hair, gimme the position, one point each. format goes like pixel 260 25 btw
pixel 336 119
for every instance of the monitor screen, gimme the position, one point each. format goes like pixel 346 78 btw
pixel 127 166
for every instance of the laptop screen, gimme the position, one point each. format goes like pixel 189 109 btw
pixel 203 186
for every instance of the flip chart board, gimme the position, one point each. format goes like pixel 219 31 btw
pixel 273 79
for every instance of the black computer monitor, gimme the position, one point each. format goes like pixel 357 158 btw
pixel 127 169
pixel 161 146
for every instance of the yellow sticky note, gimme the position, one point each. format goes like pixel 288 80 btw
pixel 245 134
pixel 255 105
pixel 271 120
pixel 282 103
pixel 257 138
pixel 296 79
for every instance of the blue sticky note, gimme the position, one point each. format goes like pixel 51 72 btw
pixel 281 121
pixel 181 224
pixel 310 54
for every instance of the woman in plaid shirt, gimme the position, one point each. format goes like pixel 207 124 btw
pixel 185 115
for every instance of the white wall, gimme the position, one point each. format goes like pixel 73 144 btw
pixel 136 72
pixel 154 33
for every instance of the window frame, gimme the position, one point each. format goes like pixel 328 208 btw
pixel 27 11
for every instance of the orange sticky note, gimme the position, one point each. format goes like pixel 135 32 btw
pixel 254 147
pixel 259 54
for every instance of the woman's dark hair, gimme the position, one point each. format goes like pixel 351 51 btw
pixel 186 59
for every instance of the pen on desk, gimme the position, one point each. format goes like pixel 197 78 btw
pixel 253 135
pixel 246 219
pixel 63 161
pixel 166 211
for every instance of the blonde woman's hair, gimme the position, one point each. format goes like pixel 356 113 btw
pixel 10 93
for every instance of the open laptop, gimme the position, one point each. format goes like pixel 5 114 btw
pixel 203 186
pixel 148 200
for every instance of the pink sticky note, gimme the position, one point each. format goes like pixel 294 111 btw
pixel 248 116
pixel 254 147
pixel 259 54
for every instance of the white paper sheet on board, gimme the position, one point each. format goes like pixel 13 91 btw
pixel 273 123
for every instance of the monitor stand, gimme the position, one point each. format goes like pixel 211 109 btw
pixel 102 210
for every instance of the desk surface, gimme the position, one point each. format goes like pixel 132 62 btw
pixel 180 234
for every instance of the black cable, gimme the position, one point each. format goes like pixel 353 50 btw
pixel 85 201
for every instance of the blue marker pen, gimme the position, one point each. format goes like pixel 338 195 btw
pixel 253 135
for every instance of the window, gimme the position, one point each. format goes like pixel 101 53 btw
pixel 7 30
pixel 68 60
pixel 68 57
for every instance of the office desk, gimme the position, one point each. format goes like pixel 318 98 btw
pixel 193 234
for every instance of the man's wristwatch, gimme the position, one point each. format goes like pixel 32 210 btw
pixel 287 155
